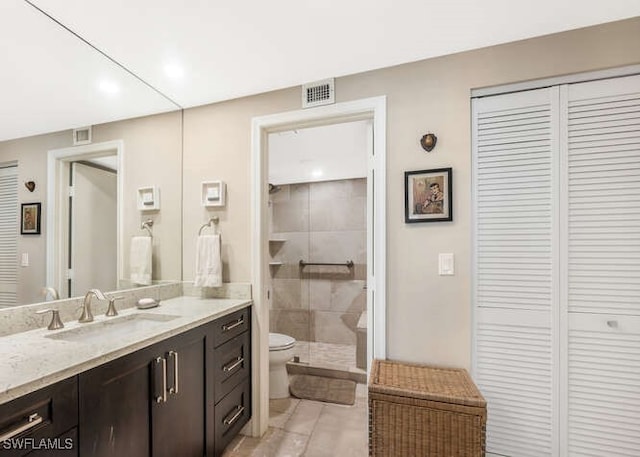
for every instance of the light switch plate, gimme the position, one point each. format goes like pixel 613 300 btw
pixel 445 264
pixel 25 259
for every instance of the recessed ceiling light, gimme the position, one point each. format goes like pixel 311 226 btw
pixel 174 71
pixel 316 173
pixel 109 87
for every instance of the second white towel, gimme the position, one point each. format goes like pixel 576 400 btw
pixel 208 262
pixel 140 260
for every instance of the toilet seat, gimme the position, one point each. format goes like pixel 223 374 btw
pixel 280 342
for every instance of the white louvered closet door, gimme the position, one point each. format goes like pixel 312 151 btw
pixel 515 261
pixel 603 267
pixel 8 235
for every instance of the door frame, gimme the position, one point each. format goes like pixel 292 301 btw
pixel 58 161
pixel 374 109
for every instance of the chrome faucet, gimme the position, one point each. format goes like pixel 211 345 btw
pixel 86 315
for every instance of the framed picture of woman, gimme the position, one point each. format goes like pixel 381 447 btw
pixel 428 195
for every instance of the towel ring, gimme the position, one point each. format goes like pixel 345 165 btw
pixel 147 225
pixel 213 221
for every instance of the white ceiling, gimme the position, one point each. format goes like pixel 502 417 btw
pixel 71 63
pixel 325 153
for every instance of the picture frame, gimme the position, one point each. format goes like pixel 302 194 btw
pixel 30 219
pixel 428 195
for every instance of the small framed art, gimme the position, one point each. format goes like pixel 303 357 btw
pixel 428 195
pixel 30 219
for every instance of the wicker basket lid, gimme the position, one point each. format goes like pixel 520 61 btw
pixel 451 385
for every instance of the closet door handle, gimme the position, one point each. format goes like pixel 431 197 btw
pixel 234 417
pixel 173 355
pixel 33 420
pixel 233 364
pixel 612 324
pixel 231 325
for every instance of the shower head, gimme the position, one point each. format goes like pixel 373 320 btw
pixel 273 188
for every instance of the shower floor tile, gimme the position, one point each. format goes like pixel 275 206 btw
pixel 328 355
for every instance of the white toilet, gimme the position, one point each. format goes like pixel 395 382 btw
pixel 280 352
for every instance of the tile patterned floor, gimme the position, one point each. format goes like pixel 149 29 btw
pixel 328 355
pixel 310 429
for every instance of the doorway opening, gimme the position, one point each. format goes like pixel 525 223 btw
pixel 374 110
pixel 318 246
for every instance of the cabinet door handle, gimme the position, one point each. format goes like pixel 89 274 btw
pixel 163 397
pixel 233 364
pixel 33 420
pixel 234 417
pixel 174 357
pixel 231 325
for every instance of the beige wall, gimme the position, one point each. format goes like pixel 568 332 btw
pixel 217 145
pixel 429 316
pixel 153 156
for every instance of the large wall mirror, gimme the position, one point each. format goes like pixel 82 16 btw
pixel 85 234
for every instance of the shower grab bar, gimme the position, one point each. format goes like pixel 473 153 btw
pixel 213 221
pixel 348 264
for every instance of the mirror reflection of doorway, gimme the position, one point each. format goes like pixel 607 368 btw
pixel 84 232
pixel 92 227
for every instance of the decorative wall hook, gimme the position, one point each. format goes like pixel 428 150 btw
pixel 428 142
pixel 31 185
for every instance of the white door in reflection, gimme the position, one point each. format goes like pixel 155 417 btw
pixel 92 227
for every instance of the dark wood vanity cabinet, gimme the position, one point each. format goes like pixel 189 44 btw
pixel 42 423
pixel 149 403
pixel 178 424
pixel 186 396
pixel 173 398
pixel 229 364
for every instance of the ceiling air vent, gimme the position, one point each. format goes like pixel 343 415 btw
pixel 318 93
pixel 82 136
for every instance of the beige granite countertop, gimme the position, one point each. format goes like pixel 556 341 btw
pixel 31 360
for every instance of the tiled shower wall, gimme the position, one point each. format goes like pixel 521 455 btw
pixel 318 222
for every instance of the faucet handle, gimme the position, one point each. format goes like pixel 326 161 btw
pixel 111 310
pixel 55 323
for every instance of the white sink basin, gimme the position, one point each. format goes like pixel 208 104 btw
pixel 117 327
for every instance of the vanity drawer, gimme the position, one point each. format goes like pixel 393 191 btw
pixel 46 413
pixel 231 325
pixel 232 364
pixel 231 414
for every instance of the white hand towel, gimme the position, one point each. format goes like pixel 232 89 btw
pixel 140 260
pixel 208 262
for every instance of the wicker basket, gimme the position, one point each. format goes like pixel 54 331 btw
pixel 417 410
